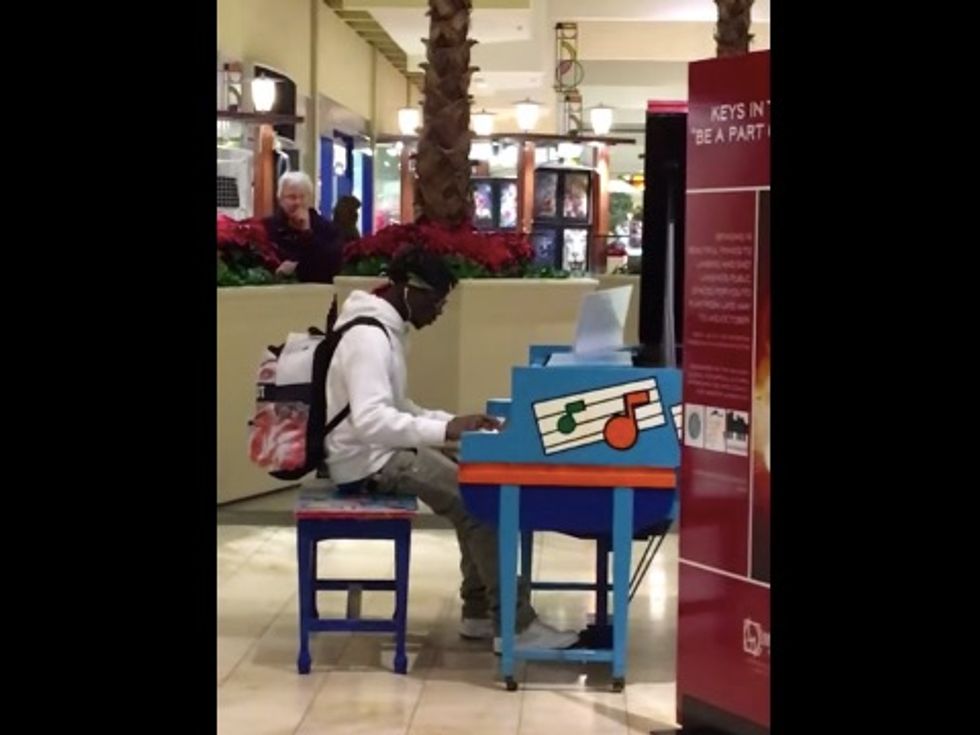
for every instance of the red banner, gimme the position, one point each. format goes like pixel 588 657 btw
pixel 723 625
pixel 728 123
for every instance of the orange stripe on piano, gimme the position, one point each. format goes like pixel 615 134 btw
pixel 499 473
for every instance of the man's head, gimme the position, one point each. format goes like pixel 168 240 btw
pixel 295 193
pixel 421 283
pixel 346 210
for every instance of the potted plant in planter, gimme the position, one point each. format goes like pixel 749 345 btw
pixel 616 259
pixel 444 204
pixel 245 255
pixel 471 253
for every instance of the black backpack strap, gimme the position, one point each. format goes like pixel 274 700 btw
pixel 365 320
pixel 331 315
pixel 335 421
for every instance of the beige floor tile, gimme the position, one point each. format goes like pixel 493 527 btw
pixel 363 703
pixel 571 711
pixel 465 708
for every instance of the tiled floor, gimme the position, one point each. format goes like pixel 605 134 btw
pixel 452 685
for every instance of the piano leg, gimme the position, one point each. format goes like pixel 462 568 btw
pixel 601 582
pixel 622 546
pixel 507 533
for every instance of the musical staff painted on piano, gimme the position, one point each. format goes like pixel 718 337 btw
pixel 614 415
pixel 677 413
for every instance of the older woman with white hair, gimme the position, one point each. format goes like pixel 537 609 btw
pixel 308 244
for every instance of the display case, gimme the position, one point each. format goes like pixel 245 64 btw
pixel 494 203
pixel 387 186
pixel 564 247
pixel 562 216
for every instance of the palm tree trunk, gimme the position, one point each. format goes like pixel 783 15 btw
pixel 442 163
pixel 732 34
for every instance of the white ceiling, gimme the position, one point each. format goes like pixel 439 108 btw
pixel 658 10
pixel 664 11
pixel 408 26
pixel 631 51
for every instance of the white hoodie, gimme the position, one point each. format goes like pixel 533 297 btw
pixel 368 372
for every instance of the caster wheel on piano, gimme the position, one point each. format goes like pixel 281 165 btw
pixel 511 684
pixel 618 684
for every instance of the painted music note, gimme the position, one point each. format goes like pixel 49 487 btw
pixel 567 423
pixel 576 420
pixel 621 431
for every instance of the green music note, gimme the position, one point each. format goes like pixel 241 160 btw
pixel 567 424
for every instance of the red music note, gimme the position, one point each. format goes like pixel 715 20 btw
pixel 621 430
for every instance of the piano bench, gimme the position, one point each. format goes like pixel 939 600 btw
pixel 327 516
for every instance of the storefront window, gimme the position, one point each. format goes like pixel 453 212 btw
pixel 387 185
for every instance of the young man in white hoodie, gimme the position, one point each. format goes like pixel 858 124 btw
pixel 387 442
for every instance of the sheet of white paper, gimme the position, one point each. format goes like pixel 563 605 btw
pixel 601 320
pixel 620 357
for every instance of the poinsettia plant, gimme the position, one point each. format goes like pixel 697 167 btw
pixel 246 257
pixel 617 258
pixel 470 253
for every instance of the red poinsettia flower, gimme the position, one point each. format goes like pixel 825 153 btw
pixel 495 251
pixel 244 244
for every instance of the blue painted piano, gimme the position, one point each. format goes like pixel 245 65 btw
pixel 590 447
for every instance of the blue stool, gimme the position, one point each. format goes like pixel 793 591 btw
pixel 331 516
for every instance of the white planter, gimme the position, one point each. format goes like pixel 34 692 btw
pixel 455 364
pixel 615 262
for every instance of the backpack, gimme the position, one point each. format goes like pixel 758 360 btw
pixel 288 431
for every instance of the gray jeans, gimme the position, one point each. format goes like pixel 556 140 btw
pixel 432 477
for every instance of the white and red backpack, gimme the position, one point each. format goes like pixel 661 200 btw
pixel 288 430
